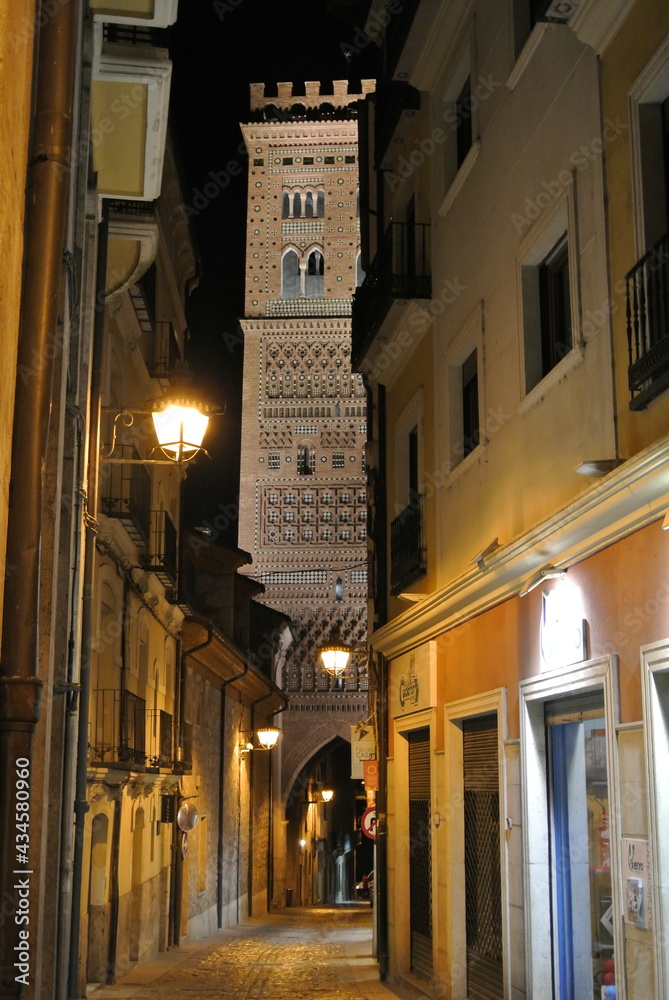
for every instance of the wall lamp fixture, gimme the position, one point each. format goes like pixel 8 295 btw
pixel 267 739
pixel 335 654
pixel 548 572
pixel 180 420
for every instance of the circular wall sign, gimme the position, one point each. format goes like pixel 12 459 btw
pixel 368 823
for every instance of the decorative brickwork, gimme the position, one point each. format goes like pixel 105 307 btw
pixel 303 487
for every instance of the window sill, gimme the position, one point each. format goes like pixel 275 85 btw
pixel 526 53
pixel 460 178
pixel 569 362
pixel 465 464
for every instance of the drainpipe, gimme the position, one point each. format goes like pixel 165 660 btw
pixel 47 196
pixel 88 610
pixel 221 797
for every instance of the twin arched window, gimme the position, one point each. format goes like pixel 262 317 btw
pixel 303 205
pixel 300 280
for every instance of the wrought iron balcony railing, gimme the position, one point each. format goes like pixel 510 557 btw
pixel 399 271
pixel 118 728
pixel 126 495
pixel 647 294
pixel 161 558
pixel 407 546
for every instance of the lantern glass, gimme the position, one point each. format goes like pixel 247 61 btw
pixel 180 429
pixel 327 794
pixel 335 659
pixel 268 738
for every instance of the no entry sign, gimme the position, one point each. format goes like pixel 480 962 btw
pixel 368 823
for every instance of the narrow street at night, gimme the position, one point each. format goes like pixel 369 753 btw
pixel 322 952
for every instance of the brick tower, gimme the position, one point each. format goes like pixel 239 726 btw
pixel 302 490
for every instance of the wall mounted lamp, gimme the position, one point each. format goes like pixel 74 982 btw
pixel 180 420
pixel 267 739
pixel 548 572
pixel 327 794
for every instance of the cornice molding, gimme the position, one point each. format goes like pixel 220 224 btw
pixel 626 500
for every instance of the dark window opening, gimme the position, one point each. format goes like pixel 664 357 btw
pixel 555 306
pixel 471 433
pixel 463 131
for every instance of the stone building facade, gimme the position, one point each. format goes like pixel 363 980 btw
pixel 302 489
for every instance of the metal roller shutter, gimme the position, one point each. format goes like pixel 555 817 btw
pixel 482 859
pixel 420 864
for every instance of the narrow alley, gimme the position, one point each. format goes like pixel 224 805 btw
pixel 322 952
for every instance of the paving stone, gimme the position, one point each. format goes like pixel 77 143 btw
pixel 322 953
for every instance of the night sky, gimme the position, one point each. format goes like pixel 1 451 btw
pixel 218 47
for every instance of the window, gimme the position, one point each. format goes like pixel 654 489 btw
pixel 314 277
pixel 297 205
pixel 309 205
pixel 285 206
pixel 329 159
pixel 337 459
pixel 470 404
pixel 555 306
pixel 463 128
pixel 258 162
pixel 359 273
pixel 308 160
pixel 320 204
pixel 463 404
pixel 290 275
pixel 274 460
pixel 288 161
pixel 306 461
pixel 349 159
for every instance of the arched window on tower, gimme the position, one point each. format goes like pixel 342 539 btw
pixel 359 273
pixel 320 205
pixel 297 205
pixel 290 275
pixel 309 205
pixel 314 277
pixel 285 211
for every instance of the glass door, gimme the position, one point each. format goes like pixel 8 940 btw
pixel 581 892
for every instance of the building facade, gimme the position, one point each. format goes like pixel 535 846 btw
pixel 303 503
pixel 510 326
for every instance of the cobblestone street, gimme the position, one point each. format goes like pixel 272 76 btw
pixel 320 952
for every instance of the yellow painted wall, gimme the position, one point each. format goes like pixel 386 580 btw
pixel 16 55
pixel 118 131
pixel 124 8
pixel 636 42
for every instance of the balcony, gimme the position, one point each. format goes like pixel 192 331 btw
pixel 185 762
pixel 159 747
pixel 396 104
pixel 118 728
pixel 161 558
pixel 647 297
pixel 407 546
pixel 127 497
pixel 399 272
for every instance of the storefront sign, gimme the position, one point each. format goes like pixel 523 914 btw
pixel 413 680
pixel 563 628
pixel 371 775
pixel 363 748
pixel 636 882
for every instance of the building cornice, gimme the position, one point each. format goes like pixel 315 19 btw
pixel 626 500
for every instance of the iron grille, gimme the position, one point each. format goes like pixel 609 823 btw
pixel 159 741
pixel 118 731
pixel 407 546
pixel 647 293
pixel 162 555
pixel 482 860
pixel 420 864
pixel 127 497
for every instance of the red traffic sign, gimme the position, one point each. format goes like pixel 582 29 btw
pixel 368 822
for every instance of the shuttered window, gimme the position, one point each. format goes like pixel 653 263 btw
pixel 482 859
pixel 420 865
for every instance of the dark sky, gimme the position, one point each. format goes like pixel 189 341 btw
pixel 218 47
